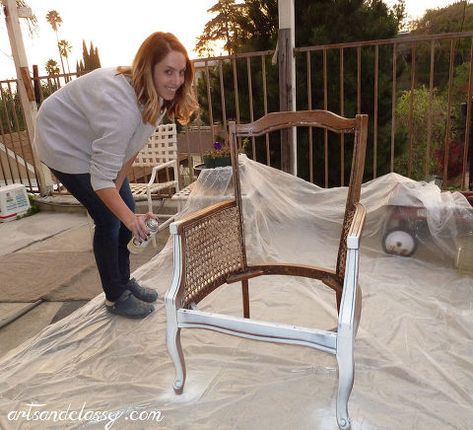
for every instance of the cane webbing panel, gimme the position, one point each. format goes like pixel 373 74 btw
pixel 354 190
pixel 342 250
pixel 161 147
pixel 211 251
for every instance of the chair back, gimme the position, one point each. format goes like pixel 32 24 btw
pixel 321 119
pixel 212 251
pixel 161 147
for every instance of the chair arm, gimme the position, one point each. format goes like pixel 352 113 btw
pixel 159 167
pixel 356 227
pixel 351 301
pixel 178 227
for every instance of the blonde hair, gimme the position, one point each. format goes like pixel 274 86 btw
pixel 152 51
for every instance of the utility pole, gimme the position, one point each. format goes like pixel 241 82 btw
pixel 287 82
pixel 25 88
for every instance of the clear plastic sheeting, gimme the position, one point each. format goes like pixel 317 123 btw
pixel 413 352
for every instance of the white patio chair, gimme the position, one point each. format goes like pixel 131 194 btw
pixel 160 153
pixel 216 235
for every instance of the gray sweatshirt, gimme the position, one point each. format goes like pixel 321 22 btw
pixel 92 125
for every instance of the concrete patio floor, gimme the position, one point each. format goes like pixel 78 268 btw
pixel 47 269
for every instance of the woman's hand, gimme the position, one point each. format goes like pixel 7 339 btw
pixel 136 224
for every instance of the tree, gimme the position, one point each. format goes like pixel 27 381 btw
pixel 424 105
pixel 52 68
pixel 243 27
pixel 457 17
pixel 52 84
pixel 321 22
pixel 53 71
pixel 257 21
pixel 11 116
pixel 259 25
pixel 90 59
pixel 338 21
pixel 55 21
pixel 223 27
pixel 65 49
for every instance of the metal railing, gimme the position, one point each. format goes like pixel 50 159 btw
pixel 16 159
pixel 240 87
pixel 405 67
pixel 375 77
pixel 415 90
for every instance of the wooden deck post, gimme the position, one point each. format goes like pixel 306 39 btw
pixel 287 82
pixel 26 91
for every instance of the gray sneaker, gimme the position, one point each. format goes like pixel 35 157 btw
pixel 146 294
pixel 129 306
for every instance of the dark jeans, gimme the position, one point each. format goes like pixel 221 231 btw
pixel 110 237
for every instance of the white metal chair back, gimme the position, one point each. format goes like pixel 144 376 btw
pixel 161 147
pixel 159 154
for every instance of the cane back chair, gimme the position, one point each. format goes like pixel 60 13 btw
pixel 209 251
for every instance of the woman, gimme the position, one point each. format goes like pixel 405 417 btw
pixel 89 132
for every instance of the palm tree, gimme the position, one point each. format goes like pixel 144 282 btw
pixel 51 67
pixel 55 20
pixel 65 49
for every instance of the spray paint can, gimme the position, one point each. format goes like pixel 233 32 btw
pixel 135 246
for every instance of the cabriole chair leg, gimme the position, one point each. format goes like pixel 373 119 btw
pixel 173 341
pixel 346 373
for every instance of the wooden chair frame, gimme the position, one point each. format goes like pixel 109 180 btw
pixel 209 251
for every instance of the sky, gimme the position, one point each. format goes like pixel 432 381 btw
pixel 117 27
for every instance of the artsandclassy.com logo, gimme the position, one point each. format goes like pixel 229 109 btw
pixel 40 412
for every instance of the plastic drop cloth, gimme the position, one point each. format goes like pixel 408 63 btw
pixel 413 351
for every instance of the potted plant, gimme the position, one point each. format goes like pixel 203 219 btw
pixel 218 156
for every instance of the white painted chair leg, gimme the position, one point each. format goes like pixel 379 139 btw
pixel 346 373
pixel 173 342
pixel 358 307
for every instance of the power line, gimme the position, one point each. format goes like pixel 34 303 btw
pixel 6 55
